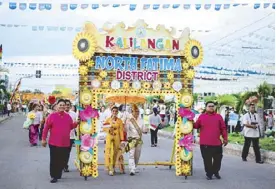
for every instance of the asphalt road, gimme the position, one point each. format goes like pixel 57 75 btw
pixel 24 167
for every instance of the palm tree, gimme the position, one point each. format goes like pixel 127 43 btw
pixel 264 90
pixel 3 90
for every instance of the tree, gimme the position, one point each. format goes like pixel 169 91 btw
pixel 56 92
pixel 37 91
pixel 3 90
pixel 26 91
pixel 264 90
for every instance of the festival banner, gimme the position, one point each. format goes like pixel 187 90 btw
pixel 15 90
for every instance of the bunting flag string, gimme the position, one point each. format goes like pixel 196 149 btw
pixel 70 28
pixel 132 7
pixel 212 70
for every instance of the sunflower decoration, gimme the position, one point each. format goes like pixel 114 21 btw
pixel 186 168
pixel 193 52
pixel 83 70
pixel 86 171
pixel 167 85
pixel 146 85
pixel 84 46
pixel 125 85
pixel 190 74
pixel 84 79
pixel 185 66
pixel 103 74
pixel 90 63
pixel 106 84
pixel 170 76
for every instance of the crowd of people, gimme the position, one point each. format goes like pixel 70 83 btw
pixel 124 126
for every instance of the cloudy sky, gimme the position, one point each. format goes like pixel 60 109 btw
pixel 229 31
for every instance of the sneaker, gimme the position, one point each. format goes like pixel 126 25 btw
pixel 111 173
pixel 217 176
pixel 260 162
pixel 137 170
pixel 132 173
pixel 66 170
pixel 208 177
pixel 152 145
pixel 54 180
pixel 244 159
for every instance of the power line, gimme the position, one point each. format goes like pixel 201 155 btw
pixel 240 29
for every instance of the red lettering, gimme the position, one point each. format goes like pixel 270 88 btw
pixel 128 75
pixel 154 75
pixel 119 75
pixel 130 42
pixel 108 41
pixel 149 74
pixel 175 44
pixel 151 43
pixel 140 76
pixel 134 73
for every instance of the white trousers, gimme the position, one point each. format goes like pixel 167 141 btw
pixel 134 156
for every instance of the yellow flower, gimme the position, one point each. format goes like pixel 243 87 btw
pixel 83 70
pixel 170 75
pixel 185 66
pixel 31 115
pixel 86 171
pixel 84 46
pixel 193 52
pixel 84 79
pixel 99 78
pixel 90 63
pixel 125 85
pixel 146 85
pixel 190 74
pixel 106 84
pixel 167 85
pixel 103 74
pixel 186 169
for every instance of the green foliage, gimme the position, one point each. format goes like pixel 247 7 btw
pixel 2 107
pixel 37 91
pixel 265 143
pixel 168 128
pixel 56 92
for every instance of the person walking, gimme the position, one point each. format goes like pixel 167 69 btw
pixel 36 125
pixel 9 108
pixel 154 121
pixel 60 125
pixel 135 128
pixel 114 129
pixel 212 127
pixel 252 133
pixel 73 115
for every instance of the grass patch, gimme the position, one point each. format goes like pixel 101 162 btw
pixel 168 129
pixel 265 143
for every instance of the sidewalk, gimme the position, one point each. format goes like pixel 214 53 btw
pixel 6 117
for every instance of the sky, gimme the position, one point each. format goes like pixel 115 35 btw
pixel 231 32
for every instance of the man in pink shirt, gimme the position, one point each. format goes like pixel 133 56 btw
pixel 211 127
pixel 60 125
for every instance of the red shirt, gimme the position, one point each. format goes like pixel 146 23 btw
pixel 211 128
pixel 60 124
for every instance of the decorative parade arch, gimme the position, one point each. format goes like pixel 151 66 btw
pixel 133 61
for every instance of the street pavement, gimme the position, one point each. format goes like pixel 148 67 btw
pixel 25 167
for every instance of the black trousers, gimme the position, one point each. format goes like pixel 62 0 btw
pixel 212 156
pixel 68 155
pixel 57 160
pixel 256 148
pixel 153 136
pixel 40 132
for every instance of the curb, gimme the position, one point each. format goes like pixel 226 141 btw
pixel 4 118
pixel 233 149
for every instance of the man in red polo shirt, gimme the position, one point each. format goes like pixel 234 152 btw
pixel 211 127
